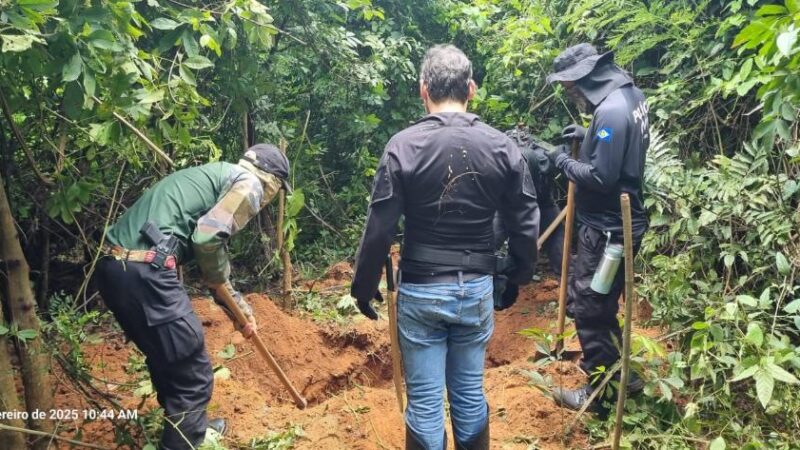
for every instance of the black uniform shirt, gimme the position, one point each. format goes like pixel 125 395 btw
pixel 448 174
pixel 611 161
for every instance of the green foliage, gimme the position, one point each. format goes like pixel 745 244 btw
pixel 721 260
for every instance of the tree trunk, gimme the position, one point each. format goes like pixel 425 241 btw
pixel 9 401
pixel 286 260
pixel 43 285
pixel 22 305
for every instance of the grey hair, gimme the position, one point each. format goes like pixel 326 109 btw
pixel 446 72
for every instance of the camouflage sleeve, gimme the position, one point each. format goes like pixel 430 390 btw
pixel 240 203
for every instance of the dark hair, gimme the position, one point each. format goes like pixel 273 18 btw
pixel 446 72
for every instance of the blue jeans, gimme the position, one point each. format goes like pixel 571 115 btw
pixel 444 329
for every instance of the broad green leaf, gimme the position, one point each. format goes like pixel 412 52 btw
pixel 89 83
pixel 783 264
pixel 19 43
pixel 222 373
pixel 72 69
pixel 38 5
pixel 294 203
pixel 729 260
pixel 145 389
pixel 780 374
pixel 25 335
pixel 149 447
pixel 717 444
pixel 73 100
pixel 163 23
pixel 765 384
pixel 771 10
pixel 793 306
pixel 211 43
pixel 198 62
pixel 747 300
pixel 227 352
pixel 786 41
pixel 190 44
pixel 3 330
pixel 746 373
pixel 186 75
pixel 146 97
pixel 747 67
pixel 754 334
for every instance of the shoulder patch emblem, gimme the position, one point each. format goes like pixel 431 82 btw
pixel 604 134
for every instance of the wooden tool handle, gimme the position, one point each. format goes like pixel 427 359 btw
pixel 627 235
pixel 551 229
pixel 565 257
pixel 394 338
pixel 230 303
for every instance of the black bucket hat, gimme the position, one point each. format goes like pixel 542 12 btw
pixel 270 159
pixel 576 62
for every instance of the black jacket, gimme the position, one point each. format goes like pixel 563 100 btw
pixel 447 175
pixel 611 161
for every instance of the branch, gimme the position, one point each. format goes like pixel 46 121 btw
pixel 22 143
pixel 52 436
pixel 141 135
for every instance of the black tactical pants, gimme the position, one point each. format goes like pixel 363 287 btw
pixel 175 351
pixel 595 314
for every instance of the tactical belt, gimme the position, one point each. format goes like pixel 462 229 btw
pixel 465 260
pixel 143 256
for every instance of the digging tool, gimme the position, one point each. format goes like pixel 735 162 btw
pixel 627 235
pixel 224 295
pixel 562 288
pixel 551 229
pixel 394 340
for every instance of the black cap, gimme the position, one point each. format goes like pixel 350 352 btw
pixel 268 158
pixel 576 62
pixel 271 160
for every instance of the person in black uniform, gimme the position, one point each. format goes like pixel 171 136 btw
pixel 542 171
pixel 611 161
pixel 447 174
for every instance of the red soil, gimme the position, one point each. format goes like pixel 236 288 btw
pixel 345 373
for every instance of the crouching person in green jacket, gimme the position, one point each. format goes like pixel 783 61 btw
pixel 189 215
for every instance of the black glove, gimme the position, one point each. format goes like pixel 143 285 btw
pixel 553 153
pixel 366 308
pixel 573 132
pixel 505 293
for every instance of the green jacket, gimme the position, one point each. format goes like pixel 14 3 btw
pixel 203 206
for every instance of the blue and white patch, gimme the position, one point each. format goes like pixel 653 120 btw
pixel 604 134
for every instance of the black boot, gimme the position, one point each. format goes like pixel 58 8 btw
pixel 412 442
pixel 219 425
pixel 479 442
pixel 573 399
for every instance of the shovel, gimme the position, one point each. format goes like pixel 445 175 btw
pixel 394 340
pixel 562 287
pixel 230 303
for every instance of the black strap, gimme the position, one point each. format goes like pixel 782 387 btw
pixel 464 260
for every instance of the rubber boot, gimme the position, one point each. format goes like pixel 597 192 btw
pixel 219 425
pixel 412 443
pixel 479 442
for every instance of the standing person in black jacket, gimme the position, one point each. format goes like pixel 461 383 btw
pixel 611 161
pixel 447 175
pixel 542 171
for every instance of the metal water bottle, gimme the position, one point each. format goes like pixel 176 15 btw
pixel 607 268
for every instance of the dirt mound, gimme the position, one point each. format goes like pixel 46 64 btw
pixel 345 373
pixel 319 361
